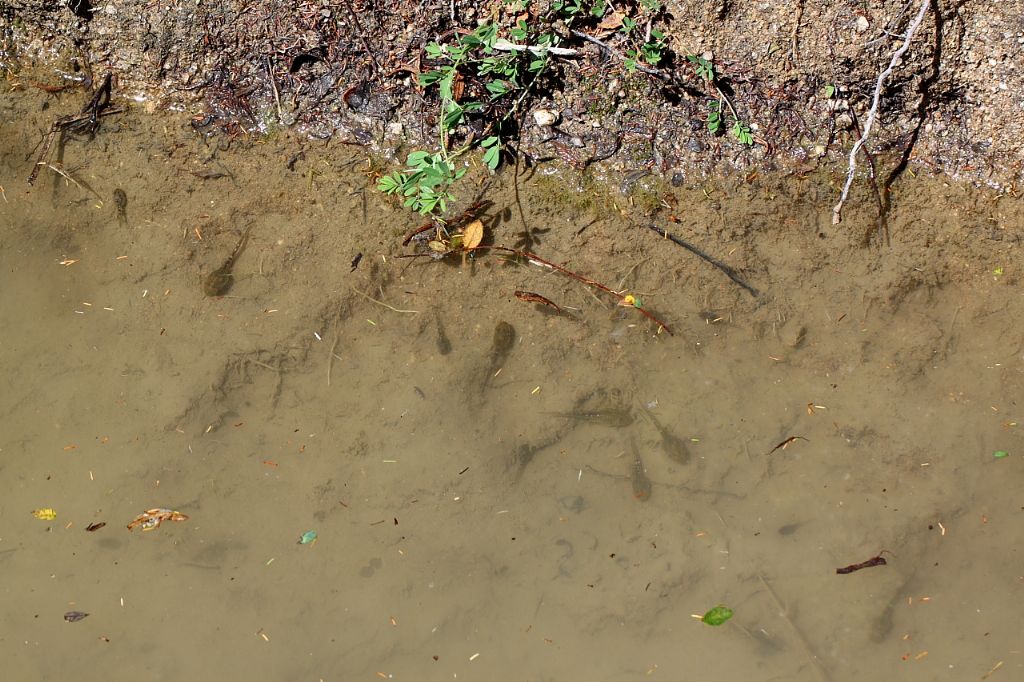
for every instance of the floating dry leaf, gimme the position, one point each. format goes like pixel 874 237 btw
pixel 473 235
pixel 152 518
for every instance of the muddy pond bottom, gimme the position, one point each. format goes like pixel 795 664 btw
pixel 337 464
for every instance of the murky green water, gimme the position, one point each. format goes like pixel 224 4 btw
pixel 466 529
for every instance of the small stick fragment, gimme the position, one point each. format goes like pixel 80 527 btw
pixel 531 297
pixel 370 298
pixel 877 560
pixel 786 443
pixel 994 668
pixel 67 176
pixel 330 359
pixel 52 89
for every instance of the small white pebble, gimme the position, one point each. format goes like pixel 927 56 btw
pixel 545 117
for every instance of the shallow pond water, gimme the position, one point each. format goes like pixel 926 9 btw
pixel 563 510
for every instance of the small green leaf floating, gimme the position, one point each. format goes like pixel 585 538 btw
pixel 999 454
pixel 717 615
pixel 308 538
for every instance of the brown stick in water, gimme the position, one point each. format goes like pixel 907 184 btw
pixel 873 561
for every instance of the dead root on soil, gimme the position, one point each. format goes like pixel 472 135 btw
pixel 873 113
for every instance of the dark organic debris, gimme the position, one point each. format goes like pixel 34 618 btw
pixel 82 9
pixel 873 561
pixel 75 616
pixel 786 443
pixel 531 297
pixel 87 122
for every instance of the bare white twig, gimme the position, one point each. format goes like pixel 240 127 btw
pixel 506 46
pixel 873 112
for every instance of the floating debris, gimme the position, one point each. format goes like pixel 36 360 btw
pixel 152 518
pixel 878 560
pixel 717 615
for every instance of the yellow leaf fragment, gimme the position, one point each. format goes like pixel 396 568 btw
pixel 473 235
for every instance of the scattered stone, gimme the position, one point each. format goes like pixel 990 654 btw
pixel 545 117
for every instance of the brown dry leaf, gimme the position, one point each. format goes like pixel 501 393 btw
pixel 611 22
pixel 473 235
pixel 458 86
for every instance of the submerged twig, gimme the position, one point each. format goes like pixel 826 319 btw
pixel 873 112
pixel 531 297
pixel 87 121
pixel 370 298
pixel 786 443
pixel 729 272
pixel 43 154
pixel 877 560
pixel 67 176
pixel 330 359
pixel 625 300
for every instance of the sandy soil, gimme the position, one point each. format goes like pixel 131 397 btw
pixel 802 76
